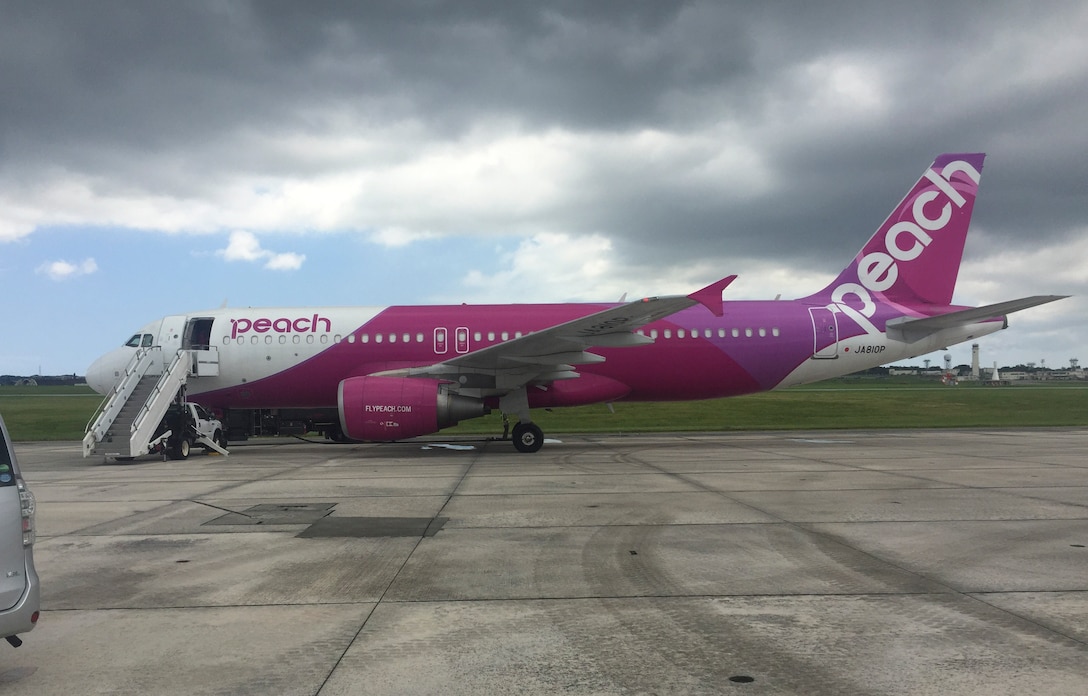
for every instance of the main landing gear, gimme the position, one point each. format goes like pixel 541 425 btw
pixel 527 436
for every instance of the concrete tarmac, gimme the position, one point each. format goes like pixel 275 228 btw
pixel 868 562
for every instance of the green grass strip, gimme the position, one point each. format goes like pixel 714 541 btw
pixel 61 413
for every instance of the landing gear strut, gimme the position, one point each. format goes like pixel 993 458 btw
pixel 528 437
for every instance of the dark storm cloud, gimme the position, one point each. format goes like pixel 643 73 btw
pixel 162 98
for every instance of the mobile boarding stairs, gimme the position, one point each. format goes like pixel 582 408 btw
pixel 124 425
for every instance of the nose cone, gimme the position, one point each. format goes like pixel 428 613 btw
pixel 105 373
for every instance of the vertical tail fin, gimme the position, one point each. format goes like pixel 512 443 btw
pixel 914 257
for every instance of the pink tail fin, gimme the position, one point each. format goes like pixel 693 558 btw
pixel 914 257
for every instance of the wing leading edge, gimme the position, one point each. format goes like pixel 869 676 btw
pixel 551 354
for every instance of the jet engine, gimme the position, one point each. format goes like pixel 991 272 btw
pixel 394 408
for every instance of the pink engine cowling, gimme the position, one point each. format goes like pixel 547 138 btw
pixel 395 408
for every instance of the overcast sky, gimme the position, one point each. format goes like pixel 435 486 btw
pixel 164 157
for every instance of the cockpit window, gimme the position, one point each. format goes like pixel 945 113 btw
pixel 140 341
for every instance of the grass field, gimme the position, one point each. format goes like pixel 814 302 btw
pixel 61 413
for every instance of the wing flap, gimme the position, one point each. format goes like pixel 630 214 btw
pixel 572 358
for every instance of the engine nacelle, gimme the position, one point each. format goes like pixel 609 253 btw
pixel 394 408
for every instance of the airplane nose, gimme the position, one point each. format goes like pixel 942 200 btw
pixel 105 372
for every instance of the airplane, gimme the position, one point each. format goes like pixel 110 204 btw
pixel 405 371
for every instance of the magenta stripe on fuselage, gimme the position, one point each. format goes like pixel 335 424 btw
pixel 673 368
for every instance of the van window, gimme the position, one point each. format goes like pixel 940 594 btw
pixel 7 474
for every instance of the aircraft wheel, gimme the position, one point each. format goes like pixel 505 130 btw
pixel 528 438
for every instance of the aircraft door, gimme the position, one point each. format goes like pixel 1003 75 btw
pixel 171 333
pixel 461 339
pixel 825 332
pixel 198 338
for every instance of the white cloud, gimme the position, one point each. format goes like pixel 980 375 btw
pixel 289 261
pixel 559 267
pixel 244 246
pixel 398 236
pixel 62 270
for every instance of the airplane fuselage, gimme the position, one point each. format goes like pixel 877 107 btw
pixel 297 357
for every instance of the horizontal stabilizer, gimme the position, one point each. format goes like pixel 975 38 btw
pixel 910 330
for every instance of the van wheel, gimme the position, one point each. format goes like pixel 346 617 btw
pixel 220 438
pixel 181 450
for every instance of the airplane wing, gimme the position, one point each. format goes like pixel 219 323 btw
pixel 910 330
pixel 551 354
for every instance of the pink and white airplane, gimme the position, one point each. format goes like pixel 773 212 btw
pixel 399 372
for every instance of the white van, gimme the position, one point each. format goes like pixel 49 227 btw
pixel 19 591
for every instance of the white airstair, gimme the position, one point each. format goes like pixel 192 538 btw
pixel 125 424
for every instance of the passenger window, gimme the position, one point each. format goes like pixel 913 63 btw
pixel 736 333
pixel 748 333
pixel 680 333
pixel 668 333
pixel 763 333
pixel 774 331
